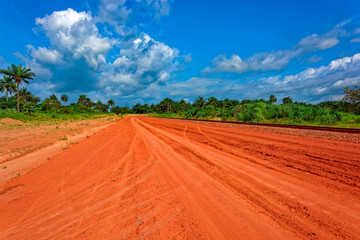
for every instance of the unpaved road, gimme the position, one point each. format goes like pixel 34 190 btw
pixel 146 178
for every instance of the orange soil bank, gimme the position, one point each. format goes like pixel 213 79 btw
pixel 146 178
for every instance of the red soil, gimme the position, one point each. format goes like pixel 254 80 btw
pixel 152 178
pixel 18 139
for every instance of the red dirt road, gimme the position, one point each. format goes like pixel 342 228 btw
pixel 146 178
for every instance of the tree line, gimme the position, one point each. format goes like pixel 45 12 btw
pixel 201 107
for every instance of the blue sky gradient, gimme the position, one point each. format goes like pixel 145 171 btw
pixel 144 50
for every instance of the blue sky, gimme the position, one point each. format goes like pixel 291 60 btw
pixel 145 50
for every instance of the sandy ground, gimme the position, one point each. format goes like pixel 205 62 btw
pixel 18 138
pixel 145 178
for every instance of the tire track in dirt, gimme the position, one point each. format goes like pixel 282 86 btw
pixel 146 178
pixel 246 187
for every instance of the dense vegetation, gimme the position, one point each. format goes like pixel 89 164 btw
pixel 339 113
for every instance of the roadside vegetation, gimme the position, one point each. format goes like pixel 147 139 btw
pixel 19 103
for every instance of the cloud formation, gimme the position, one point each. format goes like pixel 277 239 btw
pixel 311 85
pixel 143 61
pixel 73 34
pixel 276 60
pixel 77 58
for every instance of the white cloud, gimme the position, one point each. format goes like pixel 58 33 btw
pixel 113 11
pixel 315 41
pixel 74 33
pixel 143 63
pixel 313 84
pixel 44 55
pixel 276 60
pixel 233 64
pixel 355 40
pixel 325 83
pixel 161 7
pixel 188 58
pixel 314 59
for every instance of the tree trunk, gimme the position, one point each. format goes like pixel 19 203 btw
pixel 18 98
pixel 7 94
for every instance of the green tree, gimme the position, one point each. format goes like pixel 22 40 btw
pixel 212 101
pixel 165 105
pixel 19 74
pixel 287 100
pixel 111 103
pixel 352 95
pixel 7 85
pixel 64 98
pixel 25 95
pixel 98 105
pixel 84 101
pixel 199 101
pixel 52 102
pixel 183 104
pixel 272 99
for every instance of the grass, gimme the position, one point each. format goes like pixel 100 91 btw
pixel 268 113
pixel 51 117
pixel 64 138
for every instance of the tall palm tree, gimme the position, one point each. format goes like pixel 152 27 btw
pixel 111 103
pixel 20 74
pixel 7 85
pixel 64 98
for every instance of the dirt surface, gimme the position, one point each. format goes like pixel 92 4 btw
pixel 18 138
pixel 146 178
pixel 10 122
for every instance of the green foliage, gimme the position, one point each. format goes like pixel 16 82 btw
pixel 7 84
pixel 287 100
pixel 20 75
pixel 272 99
pixel 331 113
pixel 64 98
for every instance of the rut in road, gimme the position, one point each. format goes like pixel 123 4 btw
pixel 146 178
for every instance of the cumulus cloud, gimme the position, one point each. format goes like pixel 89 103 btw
pixel 85 55
pixel 142 63
pixel 113 11
pixel 355 40
pixel 325 83
pixel 313 84
pixel 74 34
pixel 276 60
pixel 44 55
pixel 125 16
pixel 233 64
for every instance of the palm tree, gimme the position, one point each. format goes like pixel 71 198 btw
pixel 84 100
pixel 52 102
pixel 20 74
pixel 98 105
pixel 7 85
pixel 272 99
pixel 64 98
pixel 199 101
pixel 111 103
pixel 212 101
pixel 25 95
pixel 183 104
